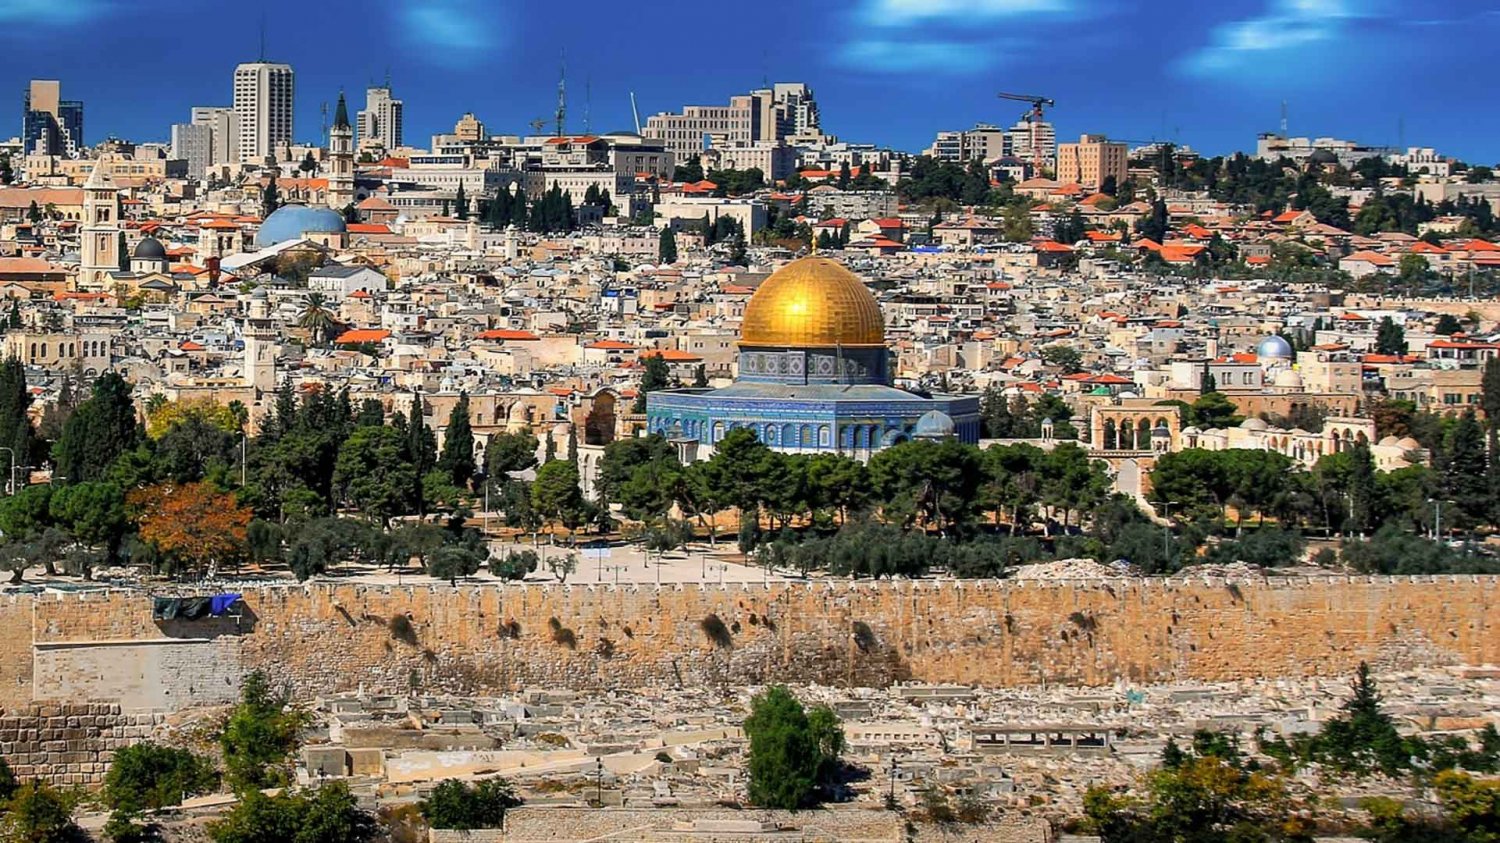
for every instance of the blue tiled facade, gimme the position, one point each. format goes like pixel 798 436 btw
pixel 854 420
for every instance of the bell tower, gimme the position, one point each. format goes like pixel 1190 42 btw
pixel 340 158
pixel 99 246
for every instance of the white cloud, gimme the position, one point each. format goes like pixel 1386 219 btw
pixel 50 12
pixel 1287 25
pixel 454 32
pixel 950 37
pixel 906 12
pixel 887 56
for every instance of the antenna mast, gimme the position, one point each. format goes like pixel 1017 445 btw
pixel 634 112
pixel 562 95
pixel 323 108
pixel 1283 118
pixel 588 101
pixel 262 37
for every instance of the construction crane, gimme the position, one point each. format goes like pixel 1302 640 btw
pixel 1032 118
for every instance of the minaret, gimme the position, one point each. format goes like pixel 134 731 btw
pixel 99 250
pixel 340 158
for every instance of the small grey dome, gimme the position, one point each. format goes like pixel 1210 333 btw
pixel 1274 348
pixel 150 249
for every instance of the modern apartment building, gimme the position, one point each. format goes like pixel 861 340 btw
pixel 469 129
pixel 225 124
pixel 1092 161
pixel 193 143
pixel 263 95
pixel 769 115
pixel 1018 141
pixel 380 123
pixel 981 143
pixel 50 125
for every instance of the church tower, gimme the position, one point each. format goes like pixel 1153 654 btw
pixel 99 250
pixel 340 158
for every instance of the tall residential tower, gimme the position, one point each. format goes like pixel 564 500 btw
pixel 379 124
pixel 50 125
pixel 263 94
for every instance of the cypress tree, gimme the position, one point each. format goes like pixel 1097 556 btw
pixel 457 459
pixel 667 246
pixel 1464 467
pixel 103 427
pixel 518 209
pixel 421 448
pixel 1361 489
pixel 461 203
pixel 15 425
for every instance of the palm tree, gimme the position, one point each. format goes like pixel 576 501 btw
pixel 316 319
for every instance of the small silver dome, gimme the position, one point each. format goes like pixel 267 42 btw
pixel 1274 348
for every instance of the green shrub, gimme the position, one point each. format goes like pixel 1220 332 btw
pixel 457 805
pixel 326 815
pixel 148 777
pixel 39 813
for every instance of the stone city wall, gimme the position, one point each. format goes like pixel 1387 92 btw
pixel 319 639
pixel 70 744
pixel 544 824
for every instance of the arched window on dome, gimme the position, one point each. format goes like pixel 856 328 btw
pixel 824 437
pixel 718 431
pixel 789 435
pixel 806 438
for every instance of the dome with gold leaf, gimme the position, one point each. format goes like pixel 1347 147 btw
pixel 813 303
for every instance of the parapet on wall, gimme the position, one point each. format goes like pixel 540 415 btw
pixel 322 638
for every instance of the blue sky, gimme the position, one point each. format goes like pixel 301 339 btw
pixel 1210 74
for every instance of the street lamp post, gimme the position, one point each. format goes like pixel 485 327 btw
pixel 1166 531
pixel 1437 518
pixel 10 477
pixel 891 799
pixel 599 781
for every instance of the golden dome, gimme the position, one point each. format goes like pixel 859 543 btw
pixel 813 303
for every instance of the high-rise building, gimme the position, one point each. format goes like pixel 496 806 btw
pixel 799 109
pixel 50 125
pixel 469 129
pixel 341 158
pixel 263 94
pixel 1092 161
pixel 193 143
pixel 210 139
pixel 1018 142
pixel 225 124
pixel 380 122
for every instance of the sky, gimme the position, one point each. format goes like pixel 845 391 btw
pixel 1209 73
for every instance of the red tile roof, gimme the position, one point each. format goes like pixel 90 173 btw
pixel 362 335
